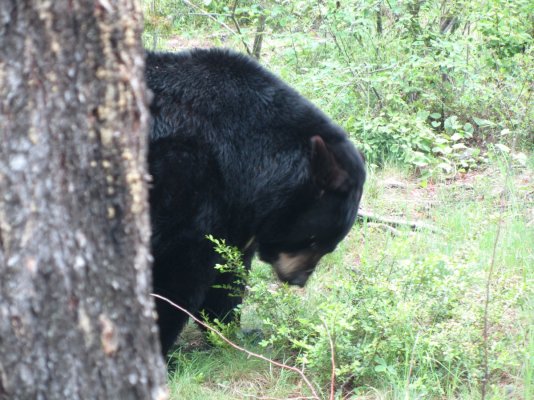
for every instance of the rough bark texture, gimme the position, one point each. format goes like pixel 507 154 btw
pixel 76 319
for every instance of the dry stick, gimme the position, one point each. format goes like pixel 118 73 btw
pixel 387 228
pixel 487 301
pixel 236 24
pixel 415 225
pixel 235 346
pixel 210 16
pixel 333 361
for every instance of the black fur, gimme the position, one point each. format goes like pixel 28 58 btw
pixel 236 153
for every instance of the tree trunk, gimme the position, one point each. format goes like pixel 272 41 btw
pixel 413 8
pixel 379 19
pixel 76 318
pixel 258 39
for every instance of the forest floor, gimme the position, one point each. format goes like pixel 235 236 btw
pixel 482 233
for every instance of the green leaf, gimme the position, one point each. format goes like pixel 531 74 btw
pixel 420 163
pixel 424 146
pixel 435 115
pixel 457 136
pixel 422 115
pixel 435 124
pixel 451 123
pixel 482 123
pixel 457 146
pixel 468 128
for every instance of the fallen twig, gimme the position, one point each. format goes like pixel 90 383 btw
pixel 333 363
pixel 235 346
pixel 385 227
pixel 414 225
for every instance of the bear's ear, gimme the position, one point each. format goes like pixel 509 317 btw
pixel 327 172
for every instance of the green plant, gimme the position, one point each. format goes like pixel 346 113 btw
pixel 233 264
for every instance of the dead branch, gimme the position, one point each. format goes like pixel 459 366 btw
pixel 238 28
pixel 333 363
pixel 210 16
pixel 235 346
pixel 386 228
pixel 414 225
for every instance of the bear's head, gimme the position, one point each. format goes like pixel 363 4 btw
pixel 319 216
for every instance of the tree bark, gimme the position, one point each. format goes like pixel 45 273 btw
pixel 258 39
pixel 76 318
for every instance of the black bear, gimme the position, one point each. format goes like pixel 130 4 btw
pixel 236 153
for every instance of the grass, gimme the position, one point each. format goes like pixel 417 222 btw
pixel 405 311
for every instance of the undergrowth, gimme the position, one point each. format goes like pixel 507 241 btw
pixel 404 312
pixel 432 85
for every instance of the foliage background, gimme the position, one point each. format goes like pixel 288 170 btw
pixel 430 84
pixel 438 94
